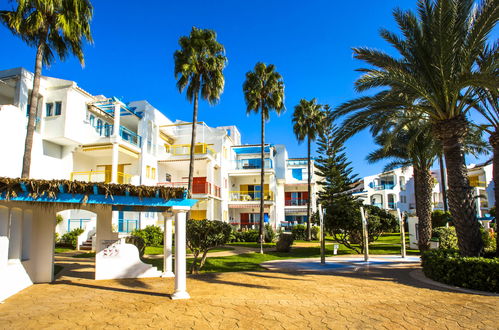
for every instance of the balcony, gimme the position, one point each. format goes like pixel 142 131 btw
pixel 383 186
pixel 295 202
pixel 474 182
pixel 107 130
pixel 185 149
pixel 380 205
pixel 99 176
pixel 251 164
pixel 197 188
pixel 250 196
pixel 292 162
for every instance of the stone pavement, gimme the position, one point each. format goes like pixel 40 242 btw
pixel 374 298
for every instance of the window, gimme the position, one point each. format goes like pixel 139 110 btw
pixel 297 173
pixel 58 108
pixel 168 177
pixel 403 199
pixel 48 109
pixel 402 183
pixel 148 171
pixel 153 173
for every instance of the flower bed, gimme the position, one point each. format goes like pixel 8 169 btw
pixel 447 266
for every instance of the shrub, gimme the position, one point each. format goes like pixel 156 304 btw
pixel 447 237
pixel 284 243
pixel 152 235
pixel 489 240
pixel 270 234
pixel 440 218
pixel 316 233
pixel 138 242
pixel 203 235
pixel 299 232
pixel 71 238
pixel 245 236
pixel 58 219
pixel 449 267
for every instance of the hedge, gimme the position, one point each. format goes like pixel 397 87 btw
pixel 449 267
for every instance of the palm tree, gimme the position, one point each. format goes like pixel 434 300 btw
pixel 438 52
pixel 308 120
pixel 488 107
pixel 199 65
pixel 263 92
pixel 53 27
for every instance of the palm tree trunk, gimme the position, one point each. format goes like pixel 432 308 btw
pixel 309 228
pixel 262 181
pixel 494 142
pixel 461 198
pixel 423 184
pixel 192 146
pixel 33 110
pixel 444 182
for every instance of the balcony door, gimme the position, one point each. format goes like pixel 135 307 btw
pixel 108 173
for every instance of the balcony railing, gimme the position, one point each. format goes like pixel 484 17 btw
pixel 126 226
pixel 391 205
pixel 474 182
pixel 295 202
pixel 197 188
pixel 383 186
pixel 127 135
pixel 251 164
pixel 250 196
pixel 77 223
pixel 380 205
pixel 292 162
pixel 99 176
pixel 185 149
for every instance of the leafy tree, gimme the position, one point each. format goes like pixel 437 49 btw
pixel 53 27
pixel 308 120
pixel 199 65
pixel 438 51
pixel 152 235
pixel 263 92
pixel 203 235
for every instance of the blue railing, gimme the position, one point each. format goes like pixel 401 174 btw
pixel 297 162
pixel 391 205
pixel 380 205
pixel 77 223
pixel 251 163
pixel 383 186
pixel 126 226
pixel 130 136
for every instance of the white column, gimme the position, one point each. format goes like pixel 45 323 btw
pixel 167 247
pixel 114 164
pixel 180 259
pixel 116 123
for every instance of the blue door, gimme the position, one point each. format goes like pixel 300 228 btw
pixel 121 216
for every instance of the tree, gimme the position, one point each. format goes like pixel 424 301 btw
pixel 308 120
pixel 488 107
pixel 199 65
pixel 53 27
pixel 438 51
pixel 263 92
pixel 204 235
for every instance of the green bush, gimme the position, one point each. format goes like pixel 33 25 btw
pixel 58 219
pixel 299 232
pixel 489 240
pixel 316 232
pixel 270 234
pixel 447 237
pixel 152 235
pixel 203 235
pixel 245 236
pixel 440 218
pixel 285 242
pixel 71 238
pixel 449 267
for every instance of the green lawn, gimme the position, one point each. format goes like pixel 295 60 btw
pixel 61 250
pixel 251 261
pixel 251 244
pixel 159 249
pixel 85 255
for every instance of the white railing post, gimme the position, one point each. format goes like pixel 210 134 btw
pixel 180 254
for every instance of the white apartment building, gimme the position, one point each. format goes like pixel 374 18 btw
pixel 395 189
pixel 95 138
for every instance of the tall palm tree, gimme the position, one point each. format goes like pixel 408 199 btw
pixel 488 107
pixel 308 119
pixel 53 27
pixel 438 50
pixel 263 92
pixel 199 65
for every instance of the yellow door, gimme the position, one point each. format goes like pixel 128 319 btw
pixel 121 173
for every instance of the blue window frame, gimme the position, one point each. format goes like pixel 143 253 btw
pixel 48 109
pixel 58 108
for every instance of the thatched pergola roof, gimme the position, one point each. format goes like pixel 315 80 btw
pixel 12 187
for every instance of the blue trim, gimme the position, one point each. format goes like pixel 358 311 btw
pixel 250 150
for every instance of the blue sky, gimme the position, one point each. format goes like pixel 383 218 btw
pixel 309 42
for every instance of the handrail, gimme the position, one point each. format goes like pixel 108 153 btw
pixel 252 163
pixel 98 176
pixel 130 136
pixel 185 149
pixel 295 202
pixel 252 195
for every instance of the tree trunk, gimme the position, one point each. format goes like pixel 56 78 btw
pixel 262 181
pixel 423 182
pixel 203 259
pixel 460 194
pixel 494 142
pixel 192 146
pixel 33 110
pixel 194 262
pixel 443 180
pixel 309 227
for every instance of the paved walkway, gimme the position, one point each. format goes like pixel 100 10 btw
pixel 372 298
pixel 235 250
